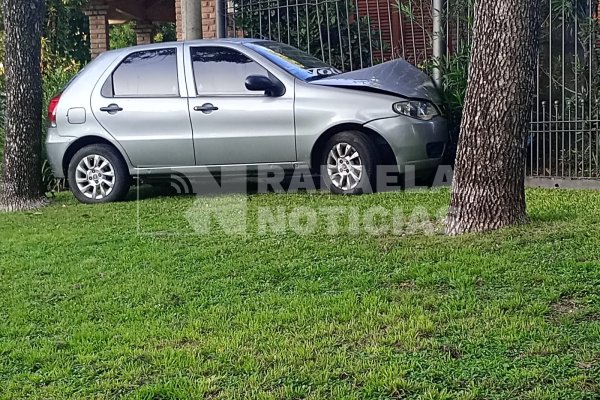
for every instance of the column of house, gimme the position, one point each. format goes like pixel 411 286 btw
pixel 98 18
pixel 144 32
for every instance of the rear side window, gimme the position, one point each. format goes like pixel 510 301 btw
pixel 149 73
pixel 222 71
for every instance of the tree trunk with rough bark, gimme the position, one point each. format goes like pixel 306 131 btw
pixel 21 187
pixel 489 181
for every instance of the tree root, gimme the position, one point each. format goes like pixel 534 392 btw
pixel 20 204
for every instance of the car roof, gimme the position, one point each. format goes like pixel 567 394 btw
pixel 227 40
pixel 198 41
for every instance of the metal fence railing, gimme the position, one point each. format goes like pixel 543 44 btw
pixel 564 140
pixel 363 32
pixel 351 34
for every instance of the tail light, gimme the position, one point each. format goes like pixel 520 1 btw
pixel 52 106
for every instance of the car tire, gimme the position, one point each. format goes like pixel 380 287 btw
pixel 348 163
pixel 98 174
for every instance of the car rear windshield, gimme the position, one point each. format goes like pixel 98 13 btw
pixel 296 62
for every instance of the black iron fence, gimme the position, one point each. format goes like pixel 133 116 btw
pixel 350 34
pixel 564 140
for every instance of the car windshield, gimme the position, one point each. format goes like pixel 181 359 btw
pixel 296 62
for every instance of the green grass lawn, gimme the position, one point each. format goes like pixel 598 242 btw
pixel 95 303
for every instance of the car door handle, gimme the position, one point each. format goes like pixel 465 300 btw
pixel 206 108
pixel 111 109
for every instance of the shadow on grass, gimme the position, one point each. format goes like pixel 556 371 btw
pixel 182 188
pixel 180 185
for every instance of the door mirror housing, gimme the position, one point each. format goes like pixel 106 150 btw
pixel 261 83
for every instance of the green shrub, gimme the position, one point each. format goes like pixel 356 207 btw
pixel 66 30
pixel 57 71
pixel 454 72
pixel 166 32
pixel 122 35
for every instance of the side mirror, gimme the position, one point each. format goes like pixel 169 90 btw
pixel 261 83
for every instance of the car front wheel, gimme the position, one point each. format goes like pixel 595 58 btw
pixel 348 163
pixel 98 174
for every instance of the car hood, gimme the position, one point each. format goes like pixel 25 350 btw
pixel 396 77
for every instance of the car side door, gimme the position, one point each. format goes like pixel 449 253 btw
pixel 142 102
pixel 231 124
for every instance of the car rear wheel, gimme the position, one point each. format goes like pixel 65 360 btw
pixel 98 174
pixel 348 163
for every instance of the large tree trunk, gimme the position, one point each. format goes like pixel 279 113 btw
pixel 21 170
pixel 489 190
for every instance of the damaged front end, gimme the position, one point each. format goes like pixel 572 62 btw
pixel 396 77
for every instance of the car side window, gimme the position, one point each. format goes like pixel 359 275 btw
pixel 148 73
pixel 223 71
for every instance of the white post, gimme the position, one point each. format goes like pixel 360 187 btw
pixel 221 14
pixel 438 38
pixel 191 19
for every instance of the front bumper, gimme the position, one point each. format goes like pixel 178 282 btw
pixel 56 147
pixel 421 144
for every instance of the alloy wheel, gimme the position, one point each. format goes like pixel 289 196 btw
pixel 95 177
pixel 344 166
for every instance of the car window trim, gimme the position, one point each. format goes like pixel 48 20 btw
pixel 198 95
pixel 148 97
pixel 230 95
pixel 165 96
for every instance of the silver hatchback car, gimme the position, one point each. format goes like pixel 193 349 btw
pixel 212 104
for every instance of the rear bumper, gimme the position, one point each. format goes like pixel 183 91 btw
pixel 56 147
pixel 420 144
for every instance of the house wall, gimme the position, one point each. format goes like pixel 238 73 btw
pixel 178 20
pixel 209 19
pixel 401 37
